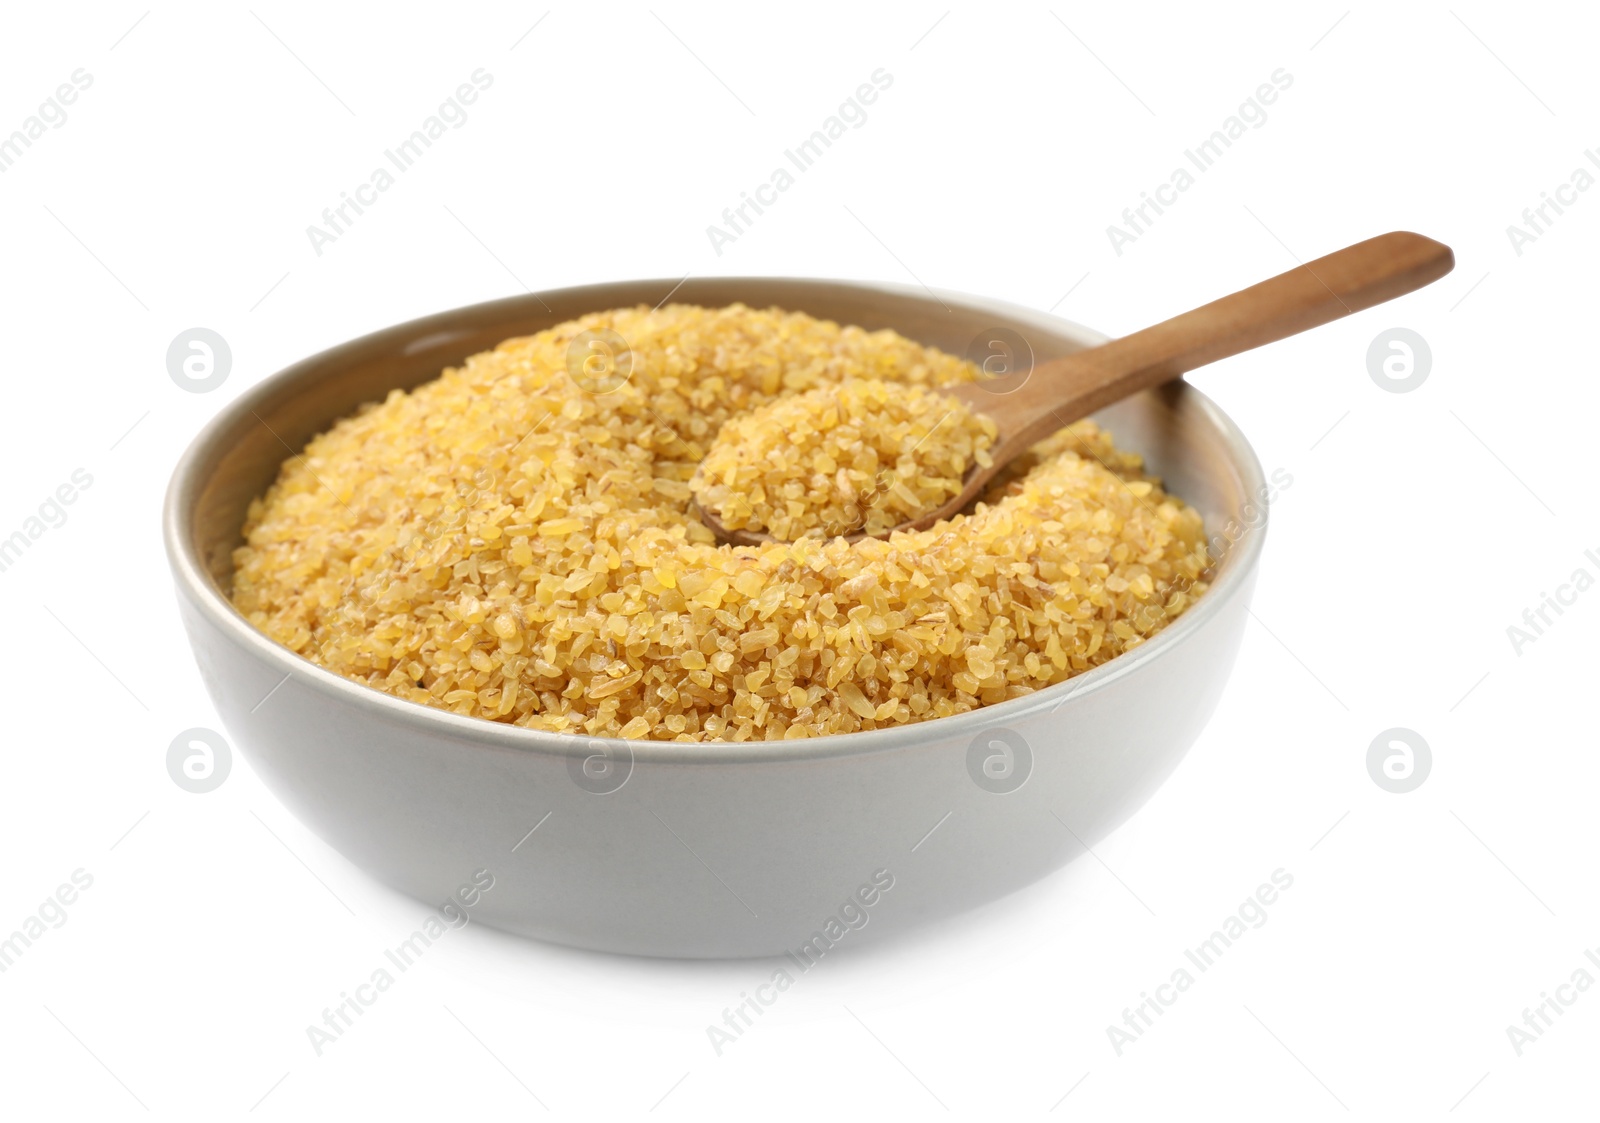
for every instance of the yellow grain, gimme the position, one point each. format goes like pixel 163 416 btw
pixel 863 455
pixel 504 543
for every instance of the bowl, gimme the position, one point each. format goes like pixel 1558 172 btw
pixel 715 849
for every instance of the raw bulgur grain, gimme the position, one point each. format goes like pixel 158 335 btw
pixel 860 456
pixel 502 543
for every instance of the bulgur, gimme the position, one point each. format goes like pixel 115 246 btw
pixel 861 456
pixel 506 543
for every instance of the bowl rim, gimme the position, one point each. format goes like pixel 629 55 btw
pixel 194 583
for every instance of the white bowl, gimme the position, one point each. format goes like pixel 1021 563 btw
pixel 716 849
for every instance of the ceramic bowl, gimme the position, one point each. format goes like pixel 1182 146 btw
pixel 719 849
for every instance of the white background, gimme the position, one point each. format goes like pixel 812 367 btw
pixel 1419 526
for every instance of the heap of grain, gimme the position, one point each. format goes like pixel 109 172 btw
pixel 861 457
pixel 515 541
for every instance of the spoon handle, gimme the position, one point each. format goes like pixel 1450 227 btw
pixel 1063 390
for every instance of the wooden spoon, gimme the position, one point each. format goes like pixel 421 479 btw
pixel 1061 391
